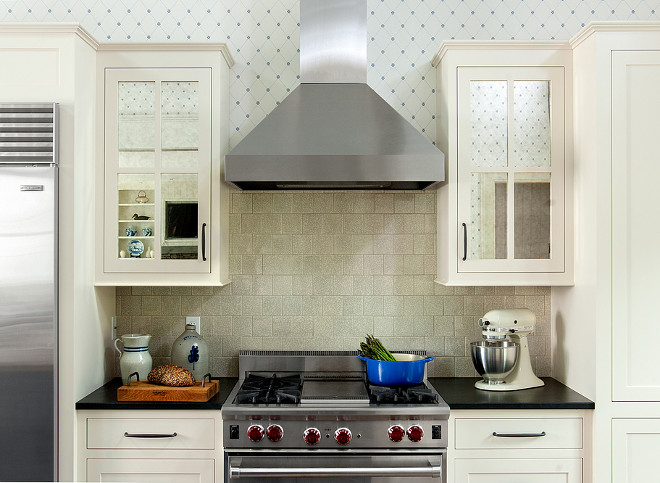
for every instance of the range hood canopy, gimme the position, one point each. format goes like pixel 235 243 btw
pixel 333 131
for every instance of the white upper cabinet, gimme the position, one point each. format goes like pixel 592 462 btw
pixel 635 223
pixel 504 211
pixel 165 208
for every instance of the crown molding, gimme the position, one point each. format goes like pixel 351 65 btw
pixel 168 46
pixel 613 26
pixel 50 28
pixel 76 29
pixel 497 45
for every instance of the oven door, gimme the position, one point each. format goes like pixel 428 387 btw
pixel 302 466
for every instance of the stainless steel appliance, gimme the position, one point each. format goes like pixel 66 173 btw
pixel 28 291
pixel 502 358
pixel 333 131
pixel 295 416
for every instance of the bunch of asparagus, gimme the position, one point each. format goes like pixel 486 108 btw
pixel 374 349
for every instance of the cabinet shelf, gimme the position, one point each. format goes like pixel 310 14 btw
pixel 131 237
pixel 135 204
pixel 131 220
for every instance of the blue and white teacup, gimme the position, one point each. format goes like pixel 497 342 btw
pixel 147 232
pixel 131 231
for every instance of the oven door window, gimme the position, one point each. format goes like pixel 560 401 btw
pixel 344 467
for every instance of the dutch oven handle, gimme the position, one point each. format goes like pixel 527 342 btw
pixel 362 358
pixel 428 359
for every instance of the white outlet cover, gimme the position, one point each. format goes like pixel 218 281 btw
pixel 196 321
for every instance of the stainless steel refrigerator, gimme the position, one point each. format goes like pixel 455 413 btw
pixel 28 292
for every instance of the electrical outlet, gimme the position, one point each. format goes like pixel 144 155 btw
pixel 196 321
pixel 114 327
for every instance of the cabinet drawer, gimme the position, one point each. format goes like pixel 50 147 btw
pixel 150 433
pixel 478 433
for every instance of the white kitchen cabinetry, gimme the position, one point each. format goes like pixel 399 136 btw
pixel 515 470
pixel 119 445
pixel 517 446
pixel 614 302
pixel 635 223
pixel 165 209
pixel 636 444
pixel 504 212
pixel 151 470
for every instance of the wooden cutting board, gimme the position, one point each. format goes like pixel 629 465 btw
pixel 144 391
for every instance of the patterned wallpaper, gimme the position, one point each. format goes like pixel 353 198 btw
pixel 319 270
pixel 263 38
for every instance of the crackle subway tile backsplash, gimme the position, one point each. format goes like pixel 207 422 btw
pixel 320 270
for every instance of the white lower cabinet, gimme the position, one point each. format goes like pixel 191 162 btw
pixel 636 444
pixel 518 470
pixel 151 470
pixel 150 446
pixel 509 446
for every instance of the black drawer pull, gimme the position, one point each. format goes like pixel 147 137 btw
pixel 518 435
pixel 149 435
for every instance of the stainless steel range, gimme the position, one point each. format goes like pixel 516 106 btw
pixel 302 415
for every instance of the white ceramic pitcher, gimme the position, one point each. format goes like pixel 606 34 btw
pixel 135 357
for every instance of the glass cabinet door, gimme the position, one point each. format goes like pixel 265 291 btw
pixel 510 172
pixel 157 170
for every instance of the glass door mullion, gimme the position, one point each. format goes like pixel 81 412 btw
pixel 510 240
pixel 158 212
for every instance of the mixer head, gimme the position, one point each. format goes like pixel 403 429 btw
pixel 501 323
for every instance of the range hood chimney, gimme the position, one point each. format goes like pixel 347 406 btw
pixel 333 131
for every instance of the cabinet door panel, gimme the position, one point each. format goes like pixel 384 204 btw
pixel 636 444
pixel 151 470
pixel 518 470
pixel 511 169
pixel 157 170
pixel 635 224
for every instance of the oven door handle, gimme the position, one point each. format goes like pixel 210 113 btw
pixel 432 471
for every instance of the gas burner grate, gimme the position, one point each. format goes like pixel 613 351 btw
pixel 270 390
pixel 419 394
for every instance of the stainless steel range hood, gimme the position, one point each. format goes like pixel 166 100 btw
pixel 333 131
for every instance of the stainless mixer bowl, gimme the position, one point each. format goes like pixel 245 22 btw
pixel 494 359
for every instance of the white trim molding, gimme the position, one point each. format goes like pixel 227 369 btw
pixel 496 44
pixel 166 46
pixel 604 26
pixel 50 28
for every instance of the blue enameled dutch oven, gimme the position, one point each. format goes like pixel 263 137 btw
pixel 407 370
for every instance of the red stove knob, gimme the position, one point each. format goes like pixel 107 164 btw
pixel 312 436
pixel 415 433
pixel 274 432
pixel 255 433
pixel 396 433
pixel 343 436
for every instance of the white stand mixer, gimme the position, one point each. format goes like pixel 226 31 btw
pixel 513 324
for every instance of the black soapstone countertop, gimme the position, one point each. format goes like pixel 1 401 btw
pixel 105 397
pixel 460 393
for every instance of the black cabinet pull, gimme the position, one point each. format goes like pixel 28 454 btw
pixel 464 241
pixel 204 241
pixel 518 435
pixel 149 435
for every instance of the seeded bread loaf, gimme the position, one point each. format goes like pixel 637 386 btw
pixel 170 375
